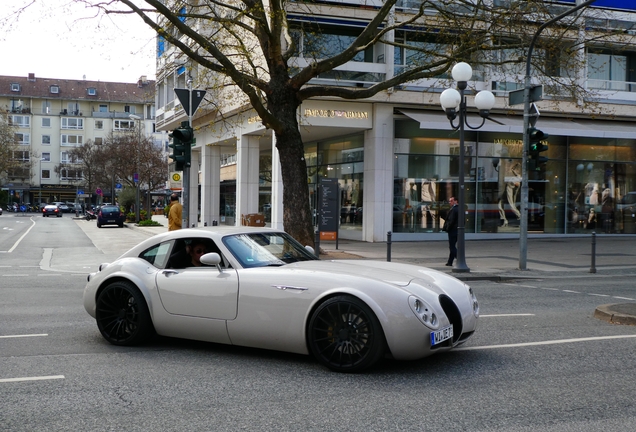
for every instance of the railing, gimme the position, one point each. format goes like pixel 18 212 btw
pixel 598 84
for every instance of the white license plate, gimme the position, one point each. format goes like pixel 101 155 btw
pixel 441 335
pixel 111 220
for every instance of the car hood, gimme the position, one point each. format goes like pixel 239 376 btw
pixel 398 274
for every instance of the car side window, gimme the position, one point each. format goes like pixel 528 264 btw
pixel 157 255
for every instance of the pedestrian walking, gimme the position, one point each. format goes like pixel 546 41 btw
pixel 450 226
pixel 174 216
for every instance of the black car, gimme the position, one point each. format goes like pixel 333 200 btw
pixel 110 215
pixel 51 210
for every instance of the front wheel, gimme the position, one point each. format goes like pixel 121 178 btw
pixel 122 315
pixel 345 335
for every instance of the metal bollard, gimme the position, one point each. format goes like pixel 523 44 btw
pixel 388 246
pixel 215 222
pixel 593 265
pixel 317 244
pixel 205 223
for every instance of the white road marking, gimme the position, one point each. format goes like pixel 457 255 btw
pixel 37 378
pixel 15 245
pixel 553 342
pixel 21 336
pixel 8 275
pixel 505 315
pixel 569 291
pixel 50 274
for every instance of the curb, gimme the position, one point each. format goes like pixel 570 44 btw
pixel 620 313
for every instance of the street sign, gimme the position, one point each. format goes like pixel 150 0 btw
pixel 515 97
pixel 98 191
pixel 184 97
pixel 136 177
pixel 534 114
pixel 118 186
pixel 80 192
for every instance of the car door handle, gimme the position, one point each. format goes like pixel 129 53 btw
pixel 287 287
pixel 168 273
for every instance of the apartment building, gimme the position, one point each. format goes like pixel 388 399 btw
pixel 395 155
pixel 51 116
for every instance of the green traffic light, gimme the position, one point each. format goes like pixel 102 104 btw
pixel 536 144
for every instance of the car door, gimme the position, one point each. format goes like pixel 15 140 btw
pixel 204 292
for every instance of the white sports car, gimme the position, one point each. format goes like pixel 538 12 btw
pixel 258 287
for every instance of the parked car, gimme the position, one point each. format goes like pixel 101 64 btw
pixel 262 289
pixel 51 210
pixel 110 215
pixel 0 211
pixel 62 206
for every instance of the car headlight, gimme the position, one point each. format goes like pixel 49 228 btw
pixel 424 312
pixel 474 301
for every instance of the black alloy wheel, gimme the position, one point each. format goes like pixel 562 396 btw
pixel 122 315
pixel 345 335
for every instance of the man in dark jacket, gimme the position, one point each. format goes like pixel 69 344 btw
pixel 451 227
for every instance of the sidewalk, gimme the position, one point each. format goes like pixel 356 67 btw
pixel 498 260
pixel 493 259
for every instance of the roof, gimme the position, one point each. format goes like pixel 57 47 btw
pixel 142 91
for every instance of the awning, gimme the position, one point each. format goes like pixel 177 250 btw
pixel 514 124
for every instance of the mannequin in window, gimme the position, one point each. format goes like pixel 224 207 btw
pixel 509 192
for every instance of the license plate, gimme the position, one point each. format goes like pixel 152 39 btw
pixel 111 220
pixel 441 335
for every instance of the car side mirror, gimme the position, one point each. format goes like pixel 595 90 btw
pixel 211 259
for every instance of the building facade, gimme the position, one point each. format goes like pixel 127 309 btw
pixel 51 116
pixel 395 155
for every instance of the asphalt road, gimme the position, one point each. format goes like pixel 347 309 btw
pixel 538 362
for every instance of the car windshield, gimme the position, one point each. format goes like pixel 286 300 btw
pixel 266 249
pixel 110 209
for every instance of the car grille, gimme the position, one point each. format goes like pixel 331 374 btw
pixel 453 315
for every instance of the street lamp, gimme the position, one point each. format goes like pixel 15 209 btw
pixel 453 101
pixel 136 117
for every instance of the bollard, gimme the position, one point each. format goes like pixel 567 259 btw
pixel 205 223
pixel 593 265
pixel 388 246
pixel 317 244
pixel 215 222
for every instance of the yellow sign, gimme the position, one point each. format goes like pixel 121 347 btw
pixel 176 177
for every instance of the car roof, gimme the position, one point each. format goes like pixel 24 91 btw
pixel 215 232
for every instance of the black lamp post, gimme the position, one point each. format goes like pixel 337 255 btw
pixel 453 101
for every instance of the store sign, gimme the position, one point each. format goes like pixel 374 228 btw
pixel 329 113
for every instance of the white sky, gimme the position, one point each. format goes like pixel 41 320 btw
pixel 63 39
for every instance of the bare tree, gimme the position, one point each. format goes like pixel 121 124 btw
pixel 250 49
pixel 9 163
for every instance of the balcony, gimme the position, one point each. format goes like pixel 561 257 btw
pixel 111 115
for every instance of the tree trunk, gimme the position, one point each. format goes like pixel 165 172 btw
pixel 296 207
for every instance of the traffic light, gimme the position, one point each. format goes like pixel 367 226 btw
pixel 536 146
pixel 181 145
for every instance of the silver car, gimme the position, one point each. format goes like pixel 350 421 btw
pixel 258 287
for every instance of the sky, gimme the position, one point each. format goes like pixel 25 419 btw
pixel 64 39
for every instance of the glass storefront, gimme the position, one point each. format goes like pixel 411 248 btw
pixel 587 184
pixel 342 159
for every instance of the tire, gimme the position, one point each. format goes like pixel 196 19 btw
pixel 345 335
pixel 121 225
pixel 99 225
pixel 122 315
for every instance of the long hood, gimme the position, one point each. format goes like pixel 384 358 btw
pixel 398 274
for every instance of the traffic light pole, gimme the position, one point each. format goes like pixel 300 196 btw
pixel 523 227
pixel 185 223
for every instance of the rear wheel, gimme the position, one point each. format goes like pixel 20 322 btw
pixel 99 225
pixel 345 335
pixel 122 315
